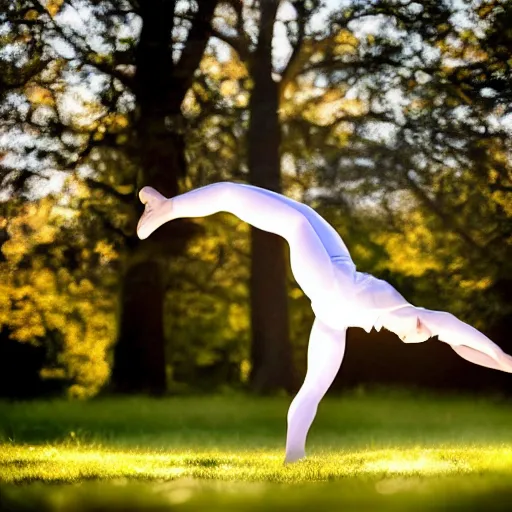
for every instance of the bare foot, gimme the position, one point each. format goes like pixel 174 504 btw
pixel 156 212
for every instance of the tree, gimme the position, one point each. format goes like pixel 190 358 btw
pixel 139 61
pixel 416 127
pixel 160 87
pixel 254 24
pixel 271 351
pixel 59 293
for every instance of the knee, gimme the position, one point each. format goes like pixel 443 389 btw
pixel 227 191
pixel 224 187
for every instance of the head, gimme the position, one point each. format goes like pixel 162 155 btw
pixel 406 323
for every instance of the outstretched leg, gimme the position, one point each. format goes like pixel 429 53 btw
pixel 312 240
pixel 325 354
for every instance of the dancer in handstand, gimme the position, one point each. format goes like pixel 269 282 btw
pixel 341 297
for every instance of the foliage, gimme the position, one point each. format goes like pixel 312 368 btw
pixel 71 101
pixel 422 250
pixel 207 309
pixel 60 101
pixel 404 137
pixel 395 123
pixel 58 290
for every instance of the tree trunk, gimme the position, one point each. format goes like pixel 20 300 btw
pixel 272 367
pixel 159 148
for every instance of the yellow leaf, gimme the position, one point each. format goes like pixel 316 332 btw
pixel 31 15
pixel 53 7
pixel 115 122
pixel 106 251
pixel 14 250
pixel 296 293
pixel 346 37
pixel 38 95
pixel 235 69
pixel 229 87
pixel 44 280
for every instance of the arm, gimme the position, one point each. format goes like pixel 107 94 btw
pixel 467 341
pixel 474 356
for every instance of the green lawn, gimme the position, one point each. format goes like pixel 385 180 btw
pixel 378 451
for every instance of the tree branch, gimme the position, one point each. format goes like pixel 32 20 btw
pixel 108 225
pixel 98 185
pixel 87 54
pixel 195 45
pixel 435 208
pixel 236 42
pixel 294 62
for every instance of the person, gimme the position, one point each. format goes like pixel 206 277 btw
pixel 340 296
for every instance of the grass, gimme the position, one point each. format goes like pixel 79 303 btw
pixel 378 451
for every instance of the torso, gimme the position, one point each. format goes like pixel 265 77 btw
pixel 356 300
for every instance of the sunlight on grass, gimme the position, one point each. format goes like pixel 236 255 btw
pixel 387 479
pixel 372 452
pixel 68 464
pixel 401 464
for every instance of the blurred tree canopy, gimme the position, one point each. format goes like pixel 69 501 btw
pixel 392 118
pixel 57 290
pixel 112 111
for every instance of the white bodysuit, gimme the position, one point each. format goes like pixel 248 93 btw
pixel 341 297
pixel 358 299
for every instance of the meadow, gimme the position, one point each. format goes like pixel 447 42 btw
pixel 380 450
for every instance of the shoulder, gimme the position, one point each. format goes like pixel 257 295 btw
pixel 437 321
